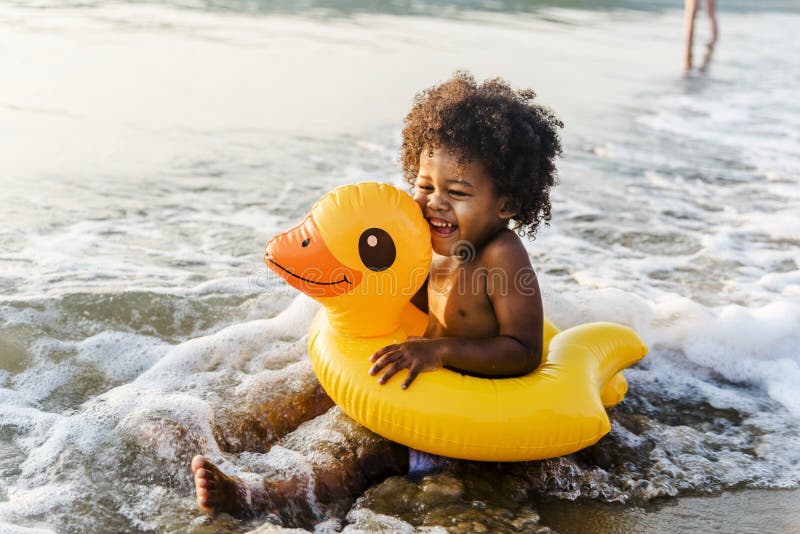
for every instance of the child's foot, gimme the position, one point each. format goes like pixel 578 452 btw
pixel 216 491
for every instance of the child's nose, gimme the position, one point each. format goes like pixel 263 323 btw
pixel 437 201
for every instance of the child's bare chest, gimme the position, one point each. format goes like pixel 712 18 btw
pixel 458 303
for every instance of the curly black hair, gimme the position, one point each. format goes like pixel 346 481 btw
pixel 516 140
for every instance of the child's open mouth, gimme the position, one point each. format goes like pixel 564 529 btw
pixel 442 228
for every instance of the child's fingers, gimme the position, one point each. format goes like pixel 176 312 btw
pixel 390 372
pixel 413 372
pixel 381 352
pixel 385 360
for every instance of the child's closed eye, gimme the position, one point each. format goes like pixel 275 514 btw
pixel 456 193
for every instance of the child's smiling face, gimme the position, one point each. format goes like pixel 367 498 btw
pixel 459 202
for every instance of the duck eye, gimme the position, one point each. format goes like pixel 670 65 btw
pixel 376 248
pixel 305 242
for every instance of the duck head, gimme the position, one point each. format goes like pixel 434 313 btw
pixel 363 251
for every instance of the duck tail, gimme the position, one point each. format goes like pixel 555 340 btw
pixel 609 348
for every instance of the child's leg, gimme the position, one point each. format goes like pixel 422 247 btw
pixel 325 464
pixel 270 406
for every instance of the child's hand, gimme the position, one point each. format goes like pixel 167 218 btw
pixel 418 354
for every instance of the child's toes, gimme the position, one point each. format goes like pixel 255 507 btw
pixel 199 462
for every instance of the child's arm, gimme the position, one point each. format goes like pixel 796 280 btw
pixel 517 348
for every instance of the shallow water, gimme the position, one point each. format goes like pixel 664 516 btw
pixel 150 149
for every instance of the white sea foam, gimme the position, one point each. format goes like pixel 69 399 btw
pixel 8 528
pixel 203 364
pixel 234 347
pixel 92 427
pixel 38 500
pixel 753 345
pixel 18 413
pixel 132 353
pixel 42 380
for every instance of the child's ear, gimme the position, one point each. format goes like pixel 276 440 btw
pixel 506 209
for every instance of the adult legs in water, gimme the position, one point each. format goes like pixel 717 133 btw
pixel 690 8
pixel 315 471
pixel 711 12
pixel 690 12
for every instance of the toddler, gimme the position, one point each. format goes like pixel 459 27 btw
pixel 480 157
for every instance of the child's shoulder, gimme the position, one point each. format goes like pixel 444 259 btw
pixel 505 250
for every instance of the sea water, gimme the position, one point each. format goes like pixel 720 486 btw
pixel 150 149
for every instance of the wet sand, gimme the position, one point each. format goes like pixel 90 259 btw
pixel 741 512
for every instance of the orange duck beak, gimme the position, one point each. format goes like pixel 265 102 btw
pixel 301 257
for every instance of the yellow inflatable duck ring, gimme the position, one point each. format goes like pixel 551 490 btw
pixel 363 252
